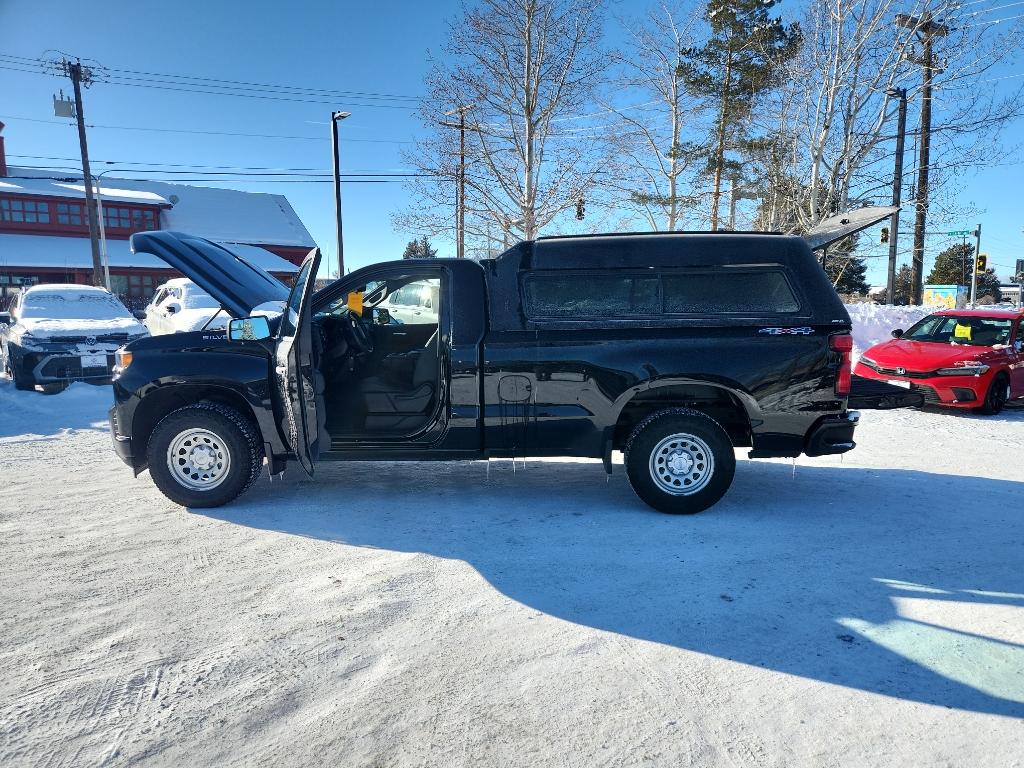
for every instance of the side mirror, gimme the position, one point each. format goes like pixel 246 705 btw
pixel 382 316
pixel 139 314
pixel 5 318
pixel 249 329
pixel 173 307
pixel 898 333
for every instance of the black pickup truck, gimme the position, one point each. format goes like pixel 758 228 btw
pixel 672 348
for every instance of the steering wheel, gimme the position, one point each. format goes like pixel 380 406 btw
pixel 358 336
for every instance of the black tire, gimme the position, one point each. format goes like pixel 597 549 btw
pixel 996 396
pixel 234 437
pixel 23 381
pixel 703 446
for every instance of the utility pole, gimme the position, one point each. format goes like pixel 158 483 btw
pixel 897 191
pixel 926 29
pixel 460 194
pixel 974 266
pixel 337 117
pixel 80 75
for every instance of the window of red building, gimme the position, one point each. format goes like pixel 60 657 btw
pixel 24 211
pixel 23 214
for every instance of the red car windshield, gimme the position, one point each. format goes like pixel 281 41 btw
pixel 961 329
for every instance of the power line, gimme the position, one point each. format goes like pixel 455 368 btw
pixel 328 180
pixel 196 166
pixel 993 21
pixel 213 82
pixel 209 89
pixel 991 10
pixel 207 133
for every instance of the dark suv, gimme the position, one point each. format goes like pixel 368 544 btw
pixel 672 348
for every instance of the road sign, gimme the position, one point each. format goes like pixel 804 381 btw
pixel 960 233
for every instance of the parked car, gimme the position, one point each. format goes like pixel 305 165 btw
pixel 180 305
pixel 673 348
pixel 413 303
pixel 54 334
pixel 959 358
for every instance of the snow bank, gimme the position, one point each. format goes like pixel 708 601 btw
pixel 873 323
pixel 80 406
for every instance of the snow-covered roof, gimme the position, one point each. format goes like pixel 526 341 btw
pixel 72 252
pixel 51 187
pixel 226 215
pixel 69 288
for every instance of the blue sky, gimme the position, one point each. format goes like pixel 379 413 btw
pixel 379 47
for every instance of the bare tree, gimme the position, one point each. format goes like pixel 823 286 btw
pixel 524 65
pixel 653 146
pixel 832 123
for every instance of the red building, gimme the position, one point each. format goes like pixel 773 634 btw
pixel 44 232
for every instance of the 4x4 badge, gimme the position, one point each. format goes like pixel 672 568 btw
pixel 803 331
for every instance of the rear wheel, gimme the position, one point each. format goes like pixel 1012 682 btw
pixel 996 396
pixel 680 461
pixel 204 455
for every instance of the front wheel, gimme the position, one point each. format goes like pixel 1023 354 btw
pixel 997 395
pixel 680 461
pixel 22 380
pixel 204 455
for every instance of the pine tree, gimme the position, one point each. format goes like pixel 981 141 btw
pixel 743 58
pixel 953 267
pixel 419 249
pixel 848 273
pixel 903 287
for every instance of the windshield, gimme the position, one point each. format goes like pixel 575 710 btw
pixel 961 329
pixel 68 305
pixel 197 298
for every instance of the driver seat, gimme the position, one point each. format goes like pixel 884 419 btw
pixel 400 405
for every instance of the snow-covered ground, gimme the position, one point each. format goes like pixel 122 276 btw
pixel 858 612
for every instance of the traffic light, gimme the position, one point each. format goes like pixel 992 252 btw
pixel 885 234
pixel 581 208
pixel 981 263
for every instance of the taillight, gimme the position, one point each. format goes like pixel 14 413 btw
pixel 843 344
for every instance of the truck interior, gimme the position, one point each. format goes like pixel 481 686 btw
pixel 379 353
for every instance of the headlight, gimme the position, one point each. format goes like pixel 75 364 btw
pixel 965 368
pixel 122 359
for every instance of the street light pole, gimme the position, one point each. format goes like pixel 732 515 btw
pixel 897 191
pixel 337 117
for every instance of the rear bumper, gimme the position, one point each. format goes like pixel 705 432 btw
pixel 832 434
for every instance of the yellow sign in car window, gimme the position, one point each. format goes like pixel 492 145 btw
pixel 355 302
pixel 962 332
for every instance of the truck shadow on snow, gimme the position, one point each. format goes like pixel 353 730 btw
pixel 902 583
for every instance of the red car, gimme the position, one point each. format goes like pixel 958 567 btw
pixel 961 358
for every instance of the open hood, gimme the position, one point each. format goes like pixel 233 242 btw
pixel 229 278
pixel 835 228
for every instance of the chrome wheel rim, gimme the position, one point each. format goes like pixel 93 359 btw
pixel 682 464
pixel 198 459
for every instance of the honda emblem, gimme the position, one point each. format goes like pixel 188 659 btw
pixel 901 371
